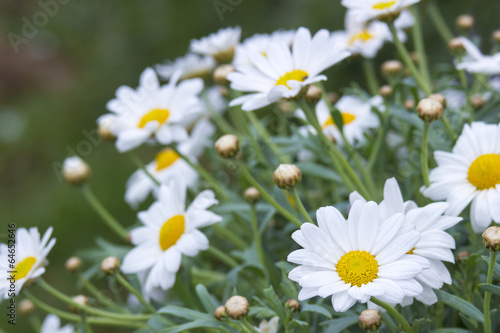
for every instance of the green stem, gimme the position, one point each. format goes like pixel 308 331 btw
pixel 439 22
pixel 418 41
pixel 447 127
pixel 221 123
pixel 256 237
pixel 300 205
pixel 232 237
pixel 253 141
pixel 424 154
pixel 405 56
pixel 487 294
pixel 370 76
pixel 103 213
pixel 101 298
pixel 394 313
pixel 141 166
pixel 378 141
pixel 134 291
pixel 222 256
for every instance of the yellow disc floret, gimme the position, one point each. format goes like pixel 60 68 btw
pixel 159 115
pixel 171 231
pixel 484 172
pixel 384 5
pixel 346 119
pixel 165 158
pixel 295 75
pixel 357 268
pixel 24 267
pixel 362 36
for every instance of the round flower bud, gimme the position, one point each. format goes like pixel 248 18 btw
pixel 313 94
pixel 75 171
pixel 462 256
pixel 455 46
pixel 332 97
pixel 80 299
pixel 220 312
pixel 227 146
pixel 391 68
pixel 110 265
pixel 465 22
pixel 293 305
pixel 73 264
pixel 370 320
pixel 496 36
pixel 225 56
pixel 237 307
pixel 26 307
pixel 491 238
pixel 429 110
pixel 221 72
pixel 385 91
pixel 287 176
pixel 409 104
pixel 104 127
pixel 477 102
pixel 285 106
pixel 440 98
pixel 251 195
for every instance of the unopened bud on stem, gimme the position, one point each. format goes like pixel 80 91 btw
pixel 227 146
pixel 370 320
pixel 429 110
pixel 491 238
pixel 286 176
pixel 237 307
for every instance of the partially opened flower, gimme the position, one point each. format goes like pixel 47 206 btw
pixel 257 44
pixel 169 232
pixel 29 264
pixel 220 45
pixel 168 164
pixel 470 173
pixel 353 260
pixel 435 243
pixel 156 112
pixel 52 324
pixel 476 62
pixel 270 326
pixel 190 66
pixel 377 9
pixel 284 73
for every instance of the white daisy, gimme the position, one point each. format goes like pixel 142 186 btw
pixel 356 259
pixel 476 62
pixel 168 164
pixel 169 231
pixel 190 66
pixel 220 45
pixel 470 173
pixel 257 44
pixel 154 111
pixel 371 9
pixel 52 324
pixel 28 264
pixel 270 326
pixel 435 244
pixel 282 73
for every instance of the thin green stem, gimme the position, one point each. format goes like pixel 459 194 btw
pixel 222 256
pixel 141 166
pixel 424 154
pixel 101 298
pixel 394 313
pixel 229 235
pixel 123 281
pixel 253 141
pixel 300 205
pixel 418 41
pixel 256 236
pixel 104 213
pixel 370 76
pixel 487 294
pixel 447 127
pixel 378 141
pixel 439 21
pixel 218 119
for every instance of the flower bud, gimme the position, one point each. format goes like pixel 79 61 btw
pixel 73 264
pixel 332 97
pixel 455 46
pixel 225 56
pixel 75 171
pixel 293 305
pixel 385 91
pixel 80 299
pixel 313 94
pixel 409 104
pixel 491 238
pixel 285 106
pixel 104 127
pixel 220 312
pixel 227 146
pixel 221 73
pixel 287 176
pixel 110 265
pixel 237 307
pixel 370 320
pixel 429 110
pixel 477 102
pixel 251 195
pixel 465 22
pixel 440 98
pixel 496 36
pixel 389 17
pixel 26 307
pixel 462 256
pixel 391 68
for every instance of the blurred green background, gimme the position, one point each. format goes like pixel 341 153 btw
pixel 55 87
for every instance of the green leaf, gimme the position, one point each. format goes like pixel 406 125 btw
pixel 297 323
pixel 317 309
pixel 194 324
pixel 337 119
pixel 339 324
pixel 450 330
pixel 496 269
pixel 275 303
pixel 470 323
pixel 460 304
pixel 261 312
pixel 181 312
pixel 205 298
pixel 421 325
pixel 316 170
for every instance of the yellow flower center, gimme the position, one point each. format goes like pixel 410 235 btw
pixel 160 115
pixel 295 75
pixel 171 231
pixel 24 267
pixel 346 119
pixel 484 172
pixel 363 36
pixel 384 4
pixel 411 251
pixel 357 268
pixel 165 158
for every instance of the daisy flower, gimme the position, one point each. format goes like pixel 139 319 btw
pixel 52 324
pixel 435 243
pixel 257 44
pixel 356 259
pixel 470 173
pixel 284 73
pixel 169 231
pixel 30 254
pixel 374 9
pixel 191 66
pixel 154 111
pixel 220 45
pixel 270 326
pixel 476 62
pixel 168 164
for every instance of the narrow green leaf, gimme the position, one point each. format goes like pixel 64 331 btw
pixel 317 309
pixel 181 312
pixel 275 303
pixel 205 298
pixel 337 119
pixel 450 330
pixel 194 324
pixel 496 269
pixel 460 304
pixel 339 324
